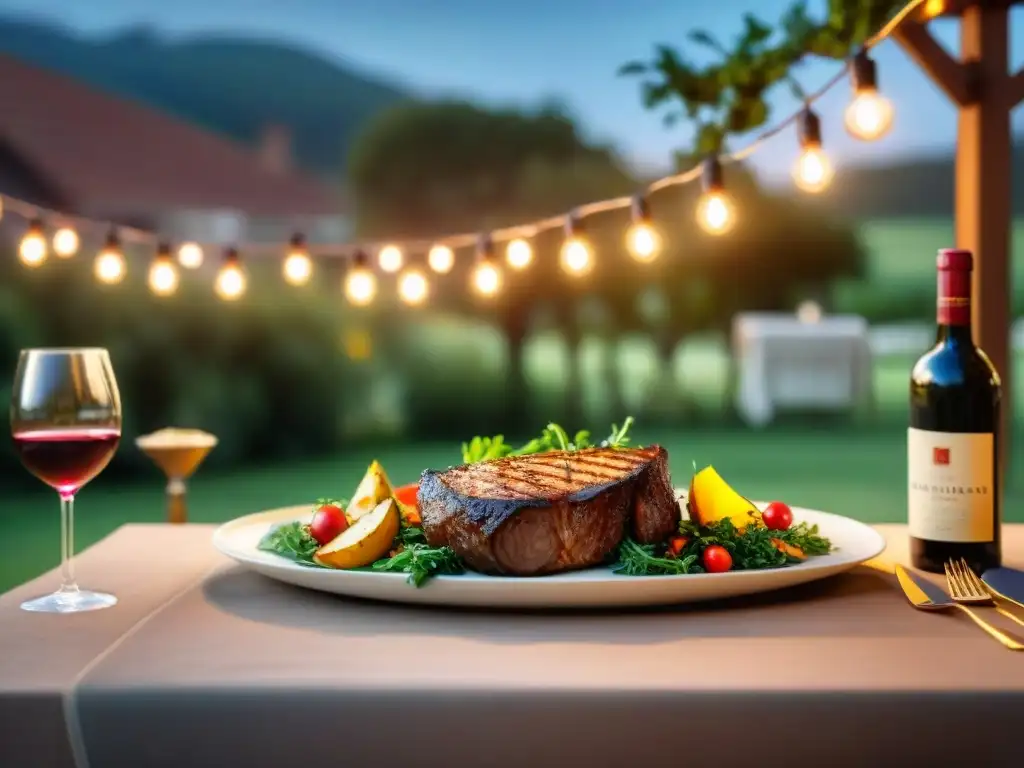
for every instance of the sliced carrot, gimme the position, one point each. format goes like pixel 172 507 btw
pixel 789 549
pixel 407 494
pixel 676 545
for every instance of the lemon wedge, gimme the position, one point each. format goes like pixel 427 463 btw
pixel 368 539
pixel 371 491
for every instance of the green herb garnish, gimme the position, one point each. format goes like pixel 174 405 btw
pixel 751 549
pixel 553 438
pixel 806 537
pixel 419 559
pixel 291 540
pixel 639 560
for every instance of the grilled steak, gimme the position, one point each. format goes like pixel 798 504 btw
pixel 548 512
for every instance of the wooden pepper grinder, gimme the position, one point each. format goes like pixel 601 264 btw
pixel 178 453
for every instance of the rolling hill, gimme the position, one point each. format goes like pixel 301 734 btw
pixel 234 86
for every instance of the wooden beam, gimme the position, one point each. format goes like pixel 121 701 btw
pixel 983 186
pixel 952 76
pixel 1014 90
pixel 957 7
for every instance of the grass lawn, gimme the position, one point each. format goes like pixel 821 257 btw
pixel 855 472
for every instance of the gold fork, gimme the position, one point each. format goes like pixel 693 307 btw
pixel 965 587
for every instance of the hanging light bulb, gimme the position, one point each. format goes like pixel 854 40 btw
pixel 190 255
pixel 390 258
pixel 109 265
pixel 32 248
pixel 360 282
pixel 869 116
pixel 933 8
pixel 231 281
pixel 813 170
pixel 163 273
pixel 297 266
pixel 642 239
pixel 413 287
pixel 519 253
pixel 486 274
pixel 65 242
pixel 577 258
pixel 716 212
pixel 441 259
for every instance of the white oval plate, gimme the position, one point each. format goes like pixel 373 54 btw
pixel 854 541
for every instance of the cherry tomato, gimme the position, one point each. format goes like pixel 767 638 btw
pixel 717 559
pixel 777 516
pixel 328 521
pixel 407 494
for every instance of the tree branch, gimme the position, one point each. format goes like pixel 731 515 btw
pixel 945 71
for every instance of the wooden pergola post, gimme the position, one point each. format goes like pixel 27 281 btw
pixel 985 94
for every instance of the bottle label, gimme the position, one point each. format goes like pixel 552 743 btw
pixel 954 300
pixel 951 479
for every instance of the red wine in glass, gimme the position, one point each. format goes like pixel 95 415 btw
pixel 66 425
pixel 67 459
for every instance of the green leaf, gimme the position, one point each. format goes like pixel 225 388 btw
pixel 710 138
pixel 701 37
pixel 632 68
pixel 655 94
pixel 755 32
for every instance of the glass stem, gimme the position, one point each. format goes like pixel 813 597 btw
pixel 67 543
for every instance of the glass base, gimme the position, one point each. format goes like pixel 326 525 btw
pixel 71 601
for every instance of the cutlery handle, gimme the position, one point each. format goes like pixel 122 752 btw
pixel 1002 637
pixel 1015 619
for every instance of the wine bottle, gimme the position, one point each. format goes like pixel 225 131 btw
pixel 953 473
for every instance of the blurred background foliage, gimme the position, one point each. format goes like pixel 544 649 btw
pixel 290 372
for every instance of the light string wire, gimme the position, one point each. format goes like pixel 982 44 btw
pixel 135 235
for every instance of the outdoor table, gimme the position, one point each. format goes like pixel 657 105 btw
pixel 202 663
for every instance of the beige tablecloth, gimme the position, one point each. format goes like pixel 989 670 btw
pixel 204 664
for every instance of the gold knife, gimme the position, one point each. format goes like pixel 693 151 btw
pixel 925 596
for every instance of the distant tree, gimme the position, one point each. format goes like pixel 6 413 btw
pixel 426 170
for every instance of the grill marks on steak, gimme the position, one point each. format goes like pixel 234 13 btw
pixel 548 512
pixel 544 475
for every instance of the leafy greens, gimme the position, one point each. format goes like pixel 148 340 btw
pixel 552 438
pixel 753 547
pixel 418 559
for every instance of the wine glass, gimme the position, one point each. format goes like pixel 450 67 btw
pixel 66 423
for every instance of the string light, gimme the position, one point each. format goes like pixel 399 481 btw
pixel 360 282
pixel 190 255
pixel 390 258
pixel 413 287
pixel 813 170
pixel 642 239
pixel 297 266
pixel 441 259
pixel 231 281
pixel 65 242
pixel 933 8
pixel 486 274
pixel 519 253
pixel 163 274
pixel 716 212
pixel 577 258
pixel 869 116
pixel 109 265
pixel 32 248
